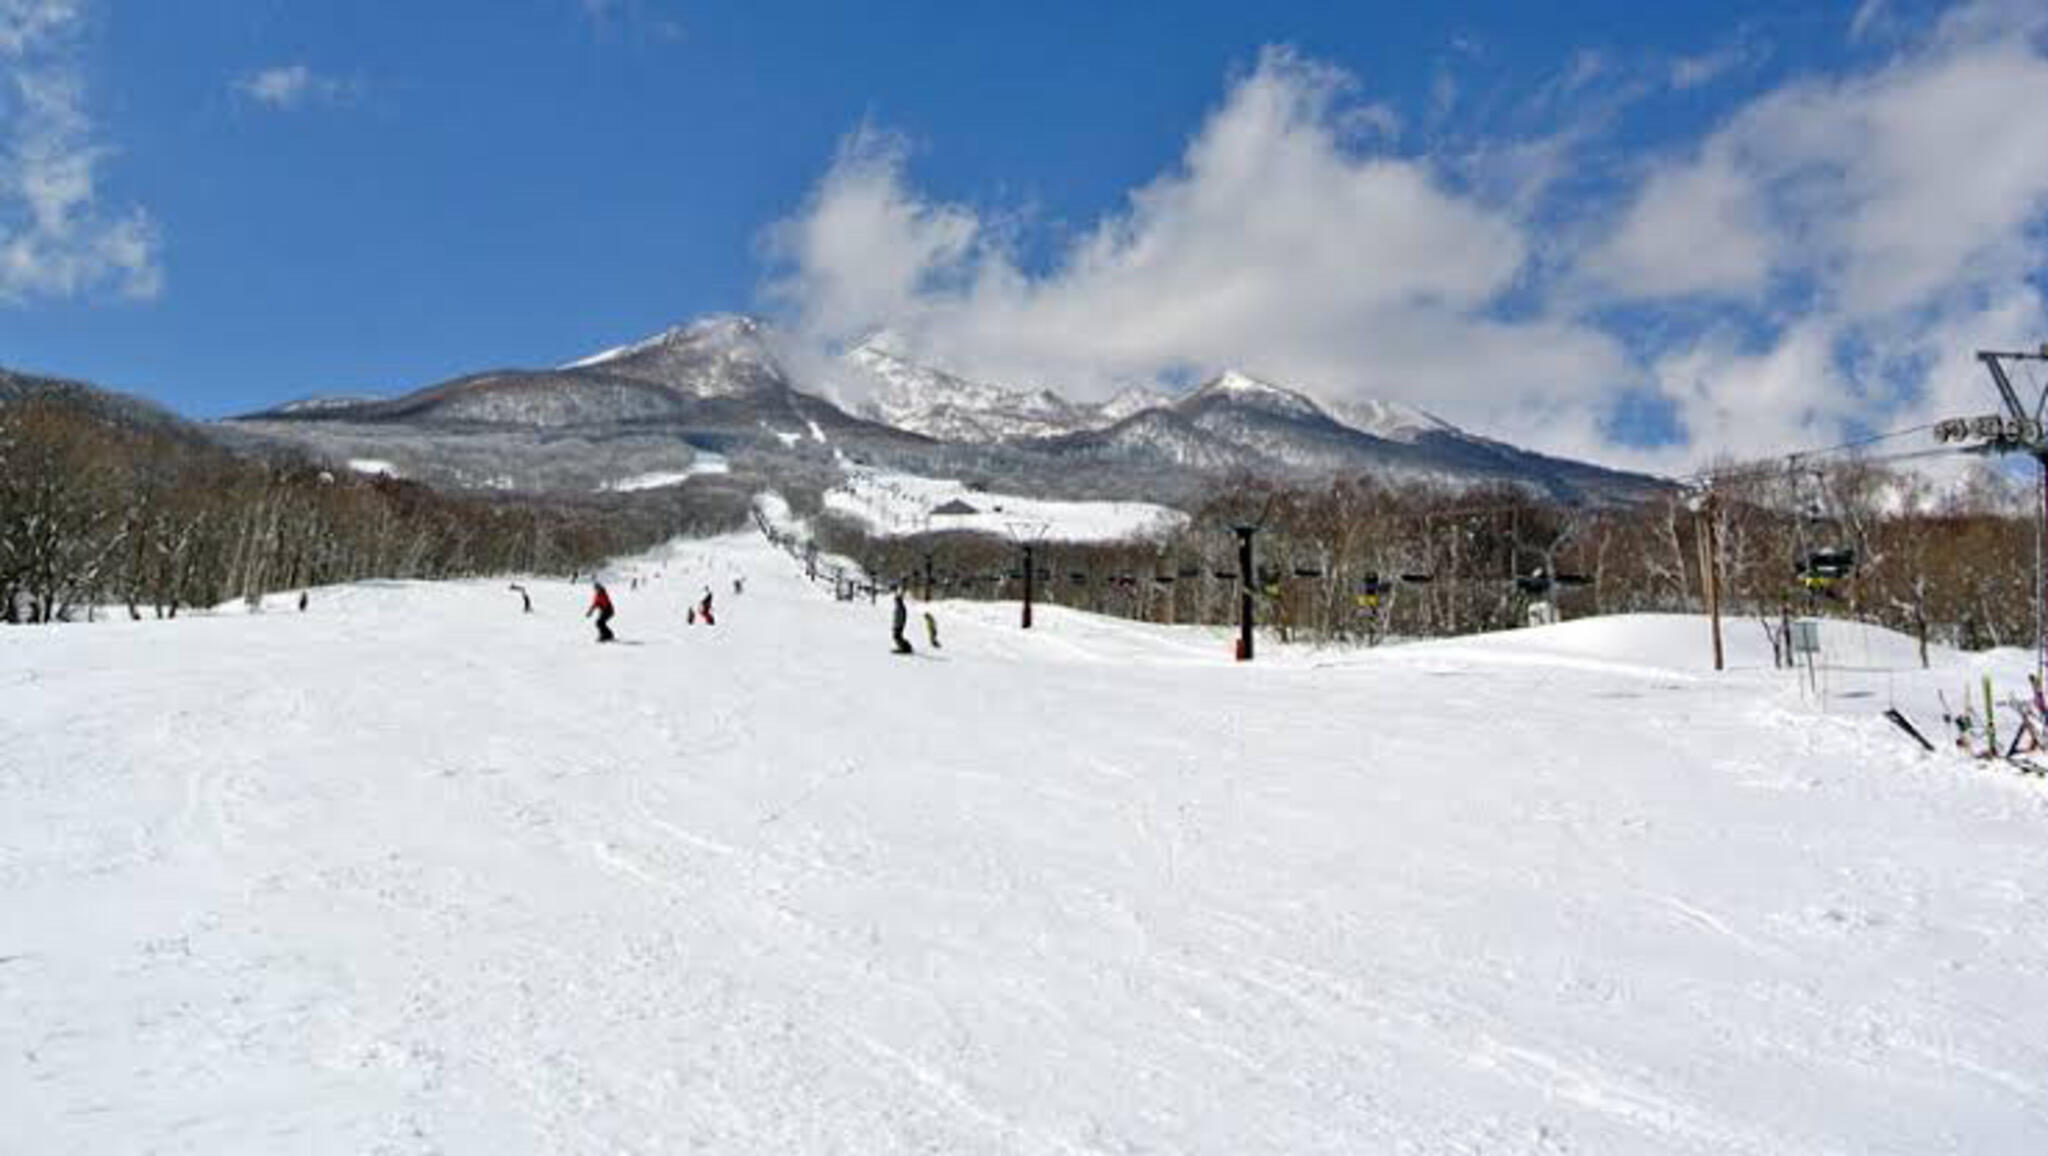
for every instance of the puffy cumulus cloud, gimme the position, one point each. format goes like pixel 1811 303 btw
pixel 1869 228
pixel 864 251
pixel 1818 262
pixel 56 237
pixel 1286 241
pixel 291 86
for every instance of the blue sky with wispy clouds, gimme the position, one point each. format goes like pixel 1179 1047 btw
pixel 1643 233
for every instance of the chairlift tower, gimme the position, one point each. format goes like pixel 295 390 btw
pixel 1027 535
pixel 1246 575
pixel 2017 430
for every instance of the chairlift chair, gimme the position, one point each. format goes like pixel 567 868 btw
pixel 1372 589
pixel 1820 570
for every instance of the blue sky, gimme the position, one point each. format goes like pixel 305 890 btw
pixel 1632 231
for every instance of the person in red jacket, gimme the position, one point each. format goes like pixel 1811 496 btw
pixel 601 605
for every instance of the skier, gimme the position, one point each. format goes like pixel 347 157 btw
pixel 600 605
pixel 739 586
pixel 931 629
pixel 691 616
pixel 898 619
pixel 525 600
pixel 302 601
pixel 704 608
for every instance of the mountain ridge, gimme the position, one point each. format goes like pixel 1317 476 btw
pixel 724 384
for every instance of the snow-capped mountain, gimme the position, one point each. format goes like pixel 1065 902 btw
pixel 949 407
pixel 721 385
pixel 723 355
pixel 1389 419
pixel 941 405
pixel 1238 421
pixel 720 369
pixel 1130 401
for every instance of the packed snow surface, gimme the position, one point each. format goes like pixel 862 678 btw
pixel 895 504
pixel 703 463
pixel 415 872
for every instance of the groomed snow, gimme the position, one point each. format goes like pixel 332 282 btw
pixel 414 872
pixel 703 463
pixel 895 504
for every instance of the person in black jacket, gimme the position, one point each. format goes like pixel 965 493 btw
pixel 898 620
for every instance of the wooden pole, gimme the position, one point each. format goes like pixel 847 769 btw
pixel 1710 576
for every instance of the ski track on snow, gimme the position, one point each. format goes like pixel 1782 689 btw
pixel 415 872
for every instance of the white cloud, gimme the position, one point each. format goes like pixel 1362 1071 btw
pixel 1870 16
pixel 1817 262
pixel 56 237
pixel 632 17
pixel 1700 227
pixel 291 86
pixel 1689 72
pixel 1282 242
pixel 1872 226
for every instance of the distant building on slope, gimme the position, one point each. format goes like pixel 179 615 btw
pixel 955 508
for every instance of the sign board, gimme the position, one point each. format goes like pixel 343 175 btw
pixel 1806 636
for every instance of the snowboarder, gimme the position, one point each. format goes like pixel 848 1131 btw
pixel 525 601
pixel 899 618
pixel 600 605
pixel 302 601
pixel 739 586
pixel 691 616
pixel 704 608
pixel 931 629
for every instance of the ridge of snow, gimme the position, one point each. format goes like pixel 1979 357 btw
pixel 326 401
pixel 1240 386
pixel 1392 420
pixel 725 329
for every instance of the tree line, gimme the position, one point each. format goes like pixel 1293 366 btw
pixel 1359 560
pixel 152 519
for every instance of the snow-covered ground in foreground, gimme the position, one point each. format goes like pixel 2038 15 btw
pixel 703 463
pixel 414 872
pixel 895 504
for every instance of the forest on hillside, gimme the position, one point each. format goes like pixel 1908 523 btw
pixel 100 512
pixel 1356 560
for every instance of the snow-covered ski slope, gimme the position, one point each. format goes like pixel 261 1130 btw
pixel 893 505
pixel 414 872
